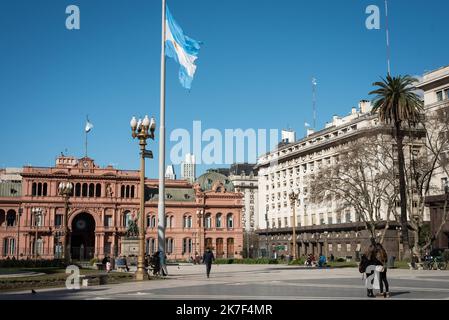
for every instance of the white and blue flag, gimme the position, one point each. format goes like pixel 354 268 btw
pixel 182 49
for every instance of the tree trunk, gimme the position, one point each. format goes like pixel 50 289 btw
pixel 402 192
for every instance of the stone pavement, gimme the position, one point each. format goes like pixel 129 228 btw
pixel 257 282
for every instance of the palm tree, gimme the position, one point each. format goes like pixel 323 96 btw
pixel 396 102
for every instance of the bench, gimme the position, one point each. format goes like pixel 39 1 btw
pixel 103 278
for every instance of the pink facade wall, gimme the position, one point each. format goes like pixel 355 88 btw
pixel 108 210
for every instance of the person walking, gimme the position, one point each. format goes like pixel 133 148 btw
pixel 369 259
pixel 208 258
pixel 382 258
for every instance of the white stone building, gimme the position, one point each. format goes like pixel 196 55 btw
pixel 188 168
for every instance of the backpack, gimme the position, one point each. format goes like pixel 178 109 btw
pixel 363 264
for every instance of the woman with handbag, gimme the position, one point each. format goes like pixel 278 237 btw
pixel 382 257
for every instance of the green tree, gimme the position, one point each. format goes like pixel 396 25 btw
pixel 397 103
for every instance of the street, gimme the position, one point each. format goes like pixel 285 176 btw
pixel 256 282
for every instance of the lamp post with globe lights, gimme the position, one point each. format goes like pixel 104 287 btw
pixel 293 199
pixel 65 190
pixel 142 130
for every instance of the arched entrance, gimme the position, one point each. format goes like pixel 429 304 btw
pixel 83 237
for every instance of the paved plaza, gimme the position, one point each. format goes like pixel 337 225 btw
pixel 254 282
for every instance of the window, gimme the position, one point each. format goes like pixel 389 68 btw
pixel 444 183
pixel 78 190
pixel 322 219
pixel 348 247
pixel 58 220
pixel 84 190
pixel 218 221
pixel 330 247
pixel 208 221
pixel 313 219
pixel 348 216
pixel 170 245
pixel 150 246
pixel 446 93
pixel 339 247
pixel 279 223
pixel 186 245
pixel 98 190
pixel 329 220
pixel 285 221
pixel 439 95
pixel 127 219
pixel 338 217
pixel 11 218
pixel 230 221
pixel 9 246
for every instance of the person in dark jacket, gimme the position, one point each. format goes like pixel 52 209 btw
pixel 208 258
pixel 370 259
pixel 382 258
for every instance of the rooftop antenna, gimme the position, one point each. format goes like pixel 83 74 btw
pixel 314 84
pixel 388 37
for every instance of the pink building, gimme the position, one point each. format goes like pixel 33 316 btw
pixel 103 202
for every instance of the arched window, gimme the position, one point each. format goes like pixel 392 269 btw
pixel 39 189
pixel 148 222
pixel 98 190
pixel 132 191
pixel 34 189
pixel 172 221
pixel 150 246
pixel 122 191
pixel 127 192
pixel 127 219
pixel 186 245
pixel 78 190
pixel 84 190
pixel 218 220
pixel 207 221
pixel 170 245
pixel 9 246
pixel 208 243
pixel 11 218
pixel 44 190
pixel 153 221
pixel 189 222
pixel 2 217
pixel 184 221
pixel 230 221
pixel 91 190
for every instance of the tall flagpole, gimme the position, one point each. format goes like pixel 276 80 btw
pixel 161 203
pixel 388 37
pixel 85 142
pixel 314 102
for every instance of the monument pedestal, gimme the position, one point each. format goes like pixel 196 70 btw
pixel 130 249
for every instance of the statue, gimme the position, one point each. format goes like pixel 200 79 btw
pixel 133 230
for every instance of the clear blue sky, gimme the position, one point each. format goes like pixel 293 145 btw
pixel 254 70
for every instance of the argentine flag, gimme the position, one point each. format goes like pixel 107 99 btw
pixel 182 49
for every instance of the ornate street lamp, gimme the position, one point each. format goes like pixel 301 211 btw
pixel 293 198
pixel 65 190
pixel 201 224
pixel 142 130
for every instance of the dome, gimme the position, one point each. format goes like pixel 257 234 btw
pixel 207 180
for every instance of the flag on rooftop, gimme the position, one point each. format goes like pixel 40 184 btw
pixel 182 49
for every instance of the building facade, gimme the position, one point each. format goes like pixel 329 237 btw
pixel 435 85
pixel 103 203
pixel 321 227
